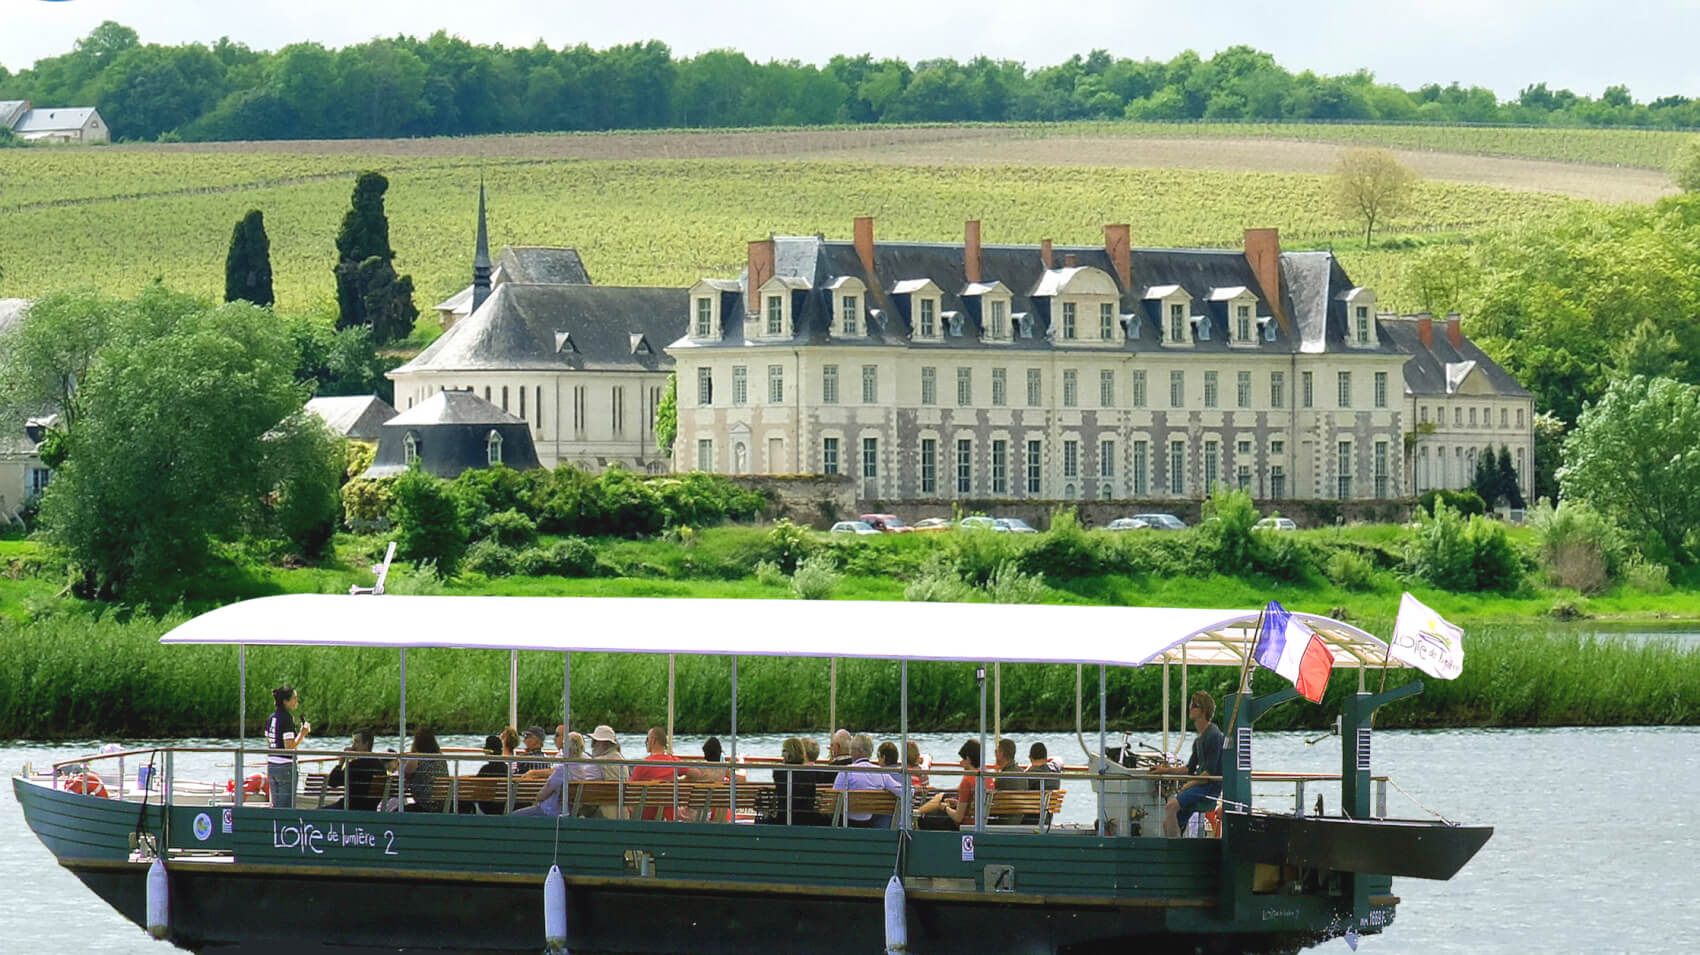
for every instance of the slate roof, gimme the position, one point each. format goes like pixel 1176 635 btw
pixel 821 263
pixel 51 120
pixel 11 110
pixel 1427 371
pixel 452 407
pixel 353 416
pixel 560 327
pixel 542 265
pixel 451 430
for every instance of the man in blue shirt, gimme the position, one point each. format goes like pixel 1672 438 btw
pixel 861 754
pixel 1199 795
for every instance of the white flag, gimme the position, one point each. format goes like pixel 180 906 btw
pixel 1427 642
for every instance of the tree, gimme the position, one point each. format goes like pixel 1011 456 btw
pixel 1485 482
pixel 1509 487
pixel 248 264
pixel 49 351
pixel 1549 451
pixel 1686 172
pixel 429 522
pixel 368 291
pixel 1371 184
pixel 667 416
pixel 170 452
pixel 1635 457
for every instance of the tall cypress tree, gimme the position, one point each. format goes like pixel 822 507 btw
pixel 368 291
pixel 1508 479
pixel 248 264
pixel 1486 480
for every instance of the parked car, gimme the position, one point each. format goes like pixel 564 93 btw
pixel 1015 525
pixel 1127 524
pixel 1161 522
pixel 931 524
pixel 853 527
pixel 980 522
pixel 1277 524
pixel 887 523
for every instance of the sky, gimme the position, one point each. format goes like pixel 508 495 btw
pixel 1503 45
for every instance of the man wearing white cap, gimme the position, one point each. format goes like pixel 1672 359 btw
pixel 605 745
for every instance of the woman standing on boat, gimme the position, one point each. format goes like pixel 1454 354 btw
pixel 281 739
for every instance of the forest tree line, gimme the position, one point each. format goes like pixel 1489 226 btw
pixel 445 86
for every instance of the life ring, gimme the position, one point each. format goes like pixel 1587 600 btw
pixel 89 784
pixel 254 784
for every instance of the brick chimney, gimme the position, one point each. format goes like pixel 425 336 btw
pixel 760 270
pixel 1263 254
pixel 1425 329
pixel 865 244
pixel 971 250
pixel 1070 260
pixel 1454 334
pixel 1045 252
pixel 1119 244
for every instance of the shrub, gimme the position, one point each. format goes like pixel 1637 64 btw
pixel 487 491
pixel 789 545
pixel 626 505
pixel 1282 556
pixel 976 553
pixel 768 574
pixel 938 582
pixel 419 580
pixel 573 557
pixel 1646 576
pixel 1579 547
pixel 491 559
pixel 1454 554
pixel 428 519
pixel 1350 570
pixel 815 578
pixel 1008 585
pixel 509 528
pixel 1229 517
pixel 1064 552
pixel 1466 503
pixel 367 501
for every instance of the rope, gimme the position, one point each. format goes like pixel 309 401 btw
pixel 1419 805
pixel 903 838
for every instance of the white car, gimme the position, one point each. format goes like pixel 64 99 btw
pixel 1015 525
pixel 1276 524
pixel 1127 524
pixel 853 527
pixel 980 522
pixel 1161 522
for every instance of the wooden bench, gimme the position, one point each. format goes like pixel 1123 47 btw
pixel 316 787
pixel 454 792
pixel 1026 804
pixel 838 805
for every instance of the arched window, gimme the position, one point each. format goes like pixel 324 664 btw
pixel 409 448
pixel 493 448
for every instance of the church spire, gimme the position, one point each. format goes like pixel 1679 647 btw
pixel 481 258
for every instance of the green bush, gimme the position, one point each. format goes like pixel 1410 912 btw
pixel 1226 531
pixel 509 528
pixel 1350 570
pixel 428 521
pixel 1452 553
pixel 788 545
pixel 1065 552
pixel 490 558
pixel 977 553
pixel 487 491
pixel 1578 547
pixel 768 574
pixel 1283 557
pixel 937 582
pixel 1466 503
pixel 1008 585
pixel 815 578
pixel 367 500
pixel 1647 576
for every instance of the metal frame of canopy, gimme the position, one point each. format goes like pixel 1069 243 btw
pixel 1105 636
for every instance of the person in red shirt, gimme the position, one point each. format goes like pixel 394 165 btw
pixel 660 800
pixel 959 809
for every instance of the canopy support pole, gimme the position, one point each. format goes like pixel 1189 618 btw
pixel 401 748
pixel 732 774
pixel 997 701
pixel 904 810
pixel 672 675
pixel 1103 754
pixel 513 687
pixel 979 777
pixel 241 720
pixel 832 699
pixel 1165 703
pixel 1186 704
pixel 567 691
pixel 1079 710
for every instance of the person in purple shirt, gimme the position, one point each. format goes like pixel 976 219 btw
pixel 861 754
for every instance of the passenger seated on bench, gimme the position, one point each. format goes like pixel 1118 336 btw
pixel 1004 762
pixel 661 800
pixel 913 761
pixel 1198 795
pixel 357 776
pixel 533 746
pixel 861 748
pixel 1040 765
pixel 497 769
pixel 950 812
pixel 799 783
pixel 424 768
pixel 888 754
pixel 549 797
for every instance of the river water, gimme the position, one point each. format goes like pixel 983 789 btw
pixel 1595 848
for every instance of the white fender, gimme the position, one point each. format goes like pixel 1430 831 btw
pixel 555 912
pixel 159 907
pixel 896 918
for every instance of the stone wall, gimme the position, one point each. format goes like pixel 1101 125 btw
pixel 809 499
pixel 1099 513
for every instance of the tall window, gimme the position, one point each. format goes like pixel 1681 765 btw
pixel 829 455
pixel 829 384
pixel 1519 466
pixel 1242 389
pixel 1000 318
pixel 505 399
pixel 581 409
pixel 1277 482
pixel 1343 380
pixel 1035 393
pixel 1343 468
pixel 1071 459
pixel 740 385
pixel 1068 320
pixel 1177 388
pixel 775 315
pixel 1242 323
pixel 1034 466
pixel 849 314
pixel 1503 414
pixel 964 387
pixel 929 385
pixel 1000 467
pixel 1308 386
pixel 1177 468
pixel 929 466
pixel 1381 389
pixel 964 465
pixel 870 384
pixel 776 384
pixel 1381 469
pixel 1363 325
pixel 1277 389
pixel 1139 388
pixel 1519 417
pixel 1106 321
pixel 1141 466
pixel 1177 323
pixel 1209 389
pixel 929 318
pixel 1458 416
pixel 705 454
pixel 1000 387
pixel 870 458
pixel 1243 477
pixel 1106 459
pixel 617 411
pixel 1071 388
pixel 705 387
pixel 1212 466
pixel 1106 389
pixel 705 317
pixel 409 449
pixel 493 449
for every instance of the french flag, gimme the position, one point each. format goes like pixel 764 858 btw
pixel 1293 650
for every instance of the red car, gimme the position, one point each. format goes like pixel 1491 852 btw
pixel 887 523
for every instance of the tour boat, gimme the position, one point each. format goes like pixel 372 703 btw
pixel 209 870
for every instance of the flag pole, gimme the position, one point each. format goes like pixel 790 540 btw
pixel 1387 658
pixel 1245 668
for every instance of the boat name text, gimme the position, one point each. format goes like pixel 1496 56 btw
pixel 307 837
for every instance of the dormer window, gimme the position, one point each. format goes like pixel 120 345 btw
pixel 1360 325
pixel 849 314
pixel 493 448
pixel 1106 321
pixel 1069 321
pixel 927 310
pixel 1360 317
pixel 1239 306
pixel 997 322
pixel 1242 323
pixel 1080 296
pixel 775 312
pixel 847 309
pixel 704 327
pixel 1177 324
pixel 409 449
pixel 924 308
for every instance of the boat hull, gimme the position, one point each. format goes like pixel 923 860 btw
pixel 1395 847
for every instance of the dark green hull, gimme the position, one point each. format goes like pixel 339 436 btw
pixel 300 880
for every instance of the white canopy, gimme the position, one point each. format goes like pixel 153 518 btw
pixel 1116 636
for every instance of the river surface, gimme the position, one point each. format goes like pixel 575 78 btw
pixel 1596 849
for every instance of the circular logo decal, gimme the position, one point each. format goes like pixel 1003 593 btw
pixel 203 827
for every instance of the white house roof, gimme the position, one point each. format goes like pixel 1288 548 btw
pixel 1160 291
pixel 10 110
pixel 1115 636
pixel 1228 294
pixel 51 120
pixel 910 286
pixel 460 301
